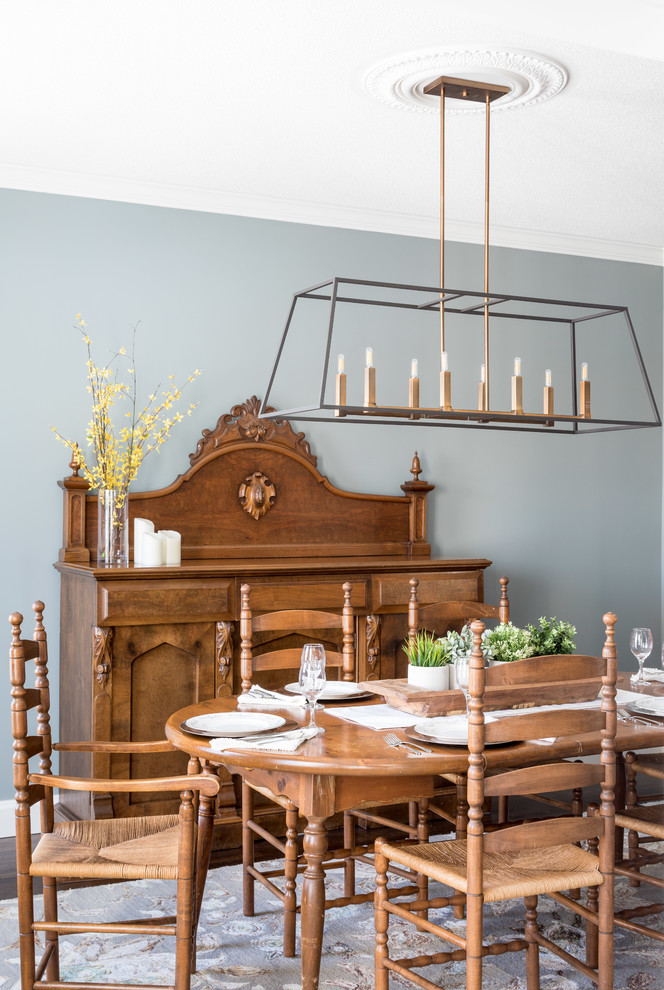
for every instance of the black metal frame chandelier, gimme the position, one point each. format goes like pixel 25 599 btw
pixel 457 314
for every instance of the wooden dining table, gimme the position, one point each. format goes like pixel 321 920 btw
pixel 350 763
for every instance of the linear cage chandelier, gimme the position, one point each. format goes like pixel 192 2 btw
pixel 480 352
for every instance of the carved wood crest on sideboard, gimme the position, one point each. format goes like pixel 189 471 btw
pixel 253 487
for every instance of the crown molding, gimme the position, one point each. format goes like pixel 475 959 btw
pixel 319 214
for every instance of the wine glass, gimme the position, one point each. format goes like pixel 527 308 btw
pixel 312 678
pixel 462 672
pixel 640 643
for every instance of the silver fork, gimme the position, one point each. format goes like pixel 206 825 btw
pixel 637 719
pixel 393 740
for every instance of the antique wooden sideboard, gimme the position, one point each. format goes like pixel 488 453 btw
pixel 137 643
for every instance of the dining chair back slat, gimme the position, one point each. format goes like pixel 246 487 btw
pixel 543 725
pixel 439 616
pixel 309 621
pixel 528 780
pixel 542 834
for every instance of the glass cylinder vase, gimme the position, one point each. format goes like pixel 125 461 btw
pixel 112 527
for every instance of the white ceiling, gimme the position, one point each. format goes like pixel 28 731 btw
pixel 260 107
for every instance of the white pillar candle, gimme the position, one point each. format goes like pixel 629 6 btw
pixel 340 364
pixel 153 549
pixel 141 526
pixel 369 357
pixel 172 546
pixel 413 368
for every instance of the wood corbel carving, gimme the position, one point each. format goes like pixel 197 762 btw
pixel 373 647
pixel 224 657
pixel 101 762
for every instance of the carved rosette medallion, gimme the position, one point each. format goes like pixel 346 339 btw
pixel 257 495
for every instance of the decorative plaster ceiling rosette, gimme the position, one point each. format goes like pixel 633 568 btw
pixel 399 82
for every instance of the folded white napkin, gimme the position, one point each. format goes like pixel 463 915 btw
pixel 653 674
pixel 271 699
pixel 285 742
pixel 375 716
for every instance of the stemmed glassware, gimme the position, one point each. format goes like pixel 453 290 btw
pixel 640 643
pixel 312 678
pixel 462 673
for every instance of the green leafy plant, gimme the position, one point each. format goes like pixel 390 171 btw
pixel 427 650
pixel 551 637
pixel 508 642
pixel 461 643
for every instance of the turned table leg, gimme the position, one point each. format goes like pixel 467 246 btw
pixel 313 901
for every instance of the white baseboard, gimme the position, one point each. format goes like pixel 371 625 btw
pixel 7 826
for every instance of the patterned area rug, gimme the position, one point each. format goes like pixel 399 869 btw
pixel 238 953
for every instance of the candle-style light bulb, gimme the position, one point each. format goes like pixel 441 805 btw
pixel 413 386
pixel 340 386
pixel 517 388
pixel 445 384
pixel 483 373
pixel 369 379
pixel 547 407
pixel 584 392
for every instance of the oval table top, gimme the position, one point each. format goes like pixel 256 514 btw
pixel 349 749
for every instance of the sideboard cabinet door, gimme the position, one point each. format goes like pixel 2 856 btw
pixel 154 671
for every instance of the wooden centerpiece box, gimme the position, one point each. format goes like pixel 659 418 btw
pixel 137 643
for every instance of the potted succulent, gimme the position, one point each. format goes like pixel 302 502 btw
pixel 428 661
pixel 461 646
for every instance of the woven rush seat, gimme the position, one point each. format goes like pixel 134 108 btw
pixel 652 764
pixel 506 874
pixel 121 848
pixel 643 818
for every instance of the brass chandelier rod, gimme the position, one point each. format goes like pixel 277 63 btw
pixel 486 254
pixel 442 222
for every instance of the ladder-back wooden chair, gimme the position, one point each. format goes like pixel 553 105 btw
pixel 522 860
pixel 644 823
pixel 160 847
pixel 281 626
pixel 440 617
pixel 285 627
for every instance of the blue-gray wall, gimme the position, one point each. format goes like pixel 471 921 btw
pixel 574 522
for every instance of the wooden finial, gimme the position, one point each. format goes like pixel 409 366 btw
pixel 16 621
pixel 74 464
pixel 504 603
pixel 415 468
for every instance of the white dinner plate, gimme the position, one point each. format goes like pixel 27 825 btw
pixel 232 723
pixel 450 730
pixel 334 691
pixel 647 706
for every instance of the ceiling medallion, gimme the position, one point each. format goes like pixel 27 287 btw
pixel 399 82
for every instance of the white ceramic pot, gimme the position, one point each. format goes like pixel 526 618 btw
pixel 429 678
pixel 452 677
